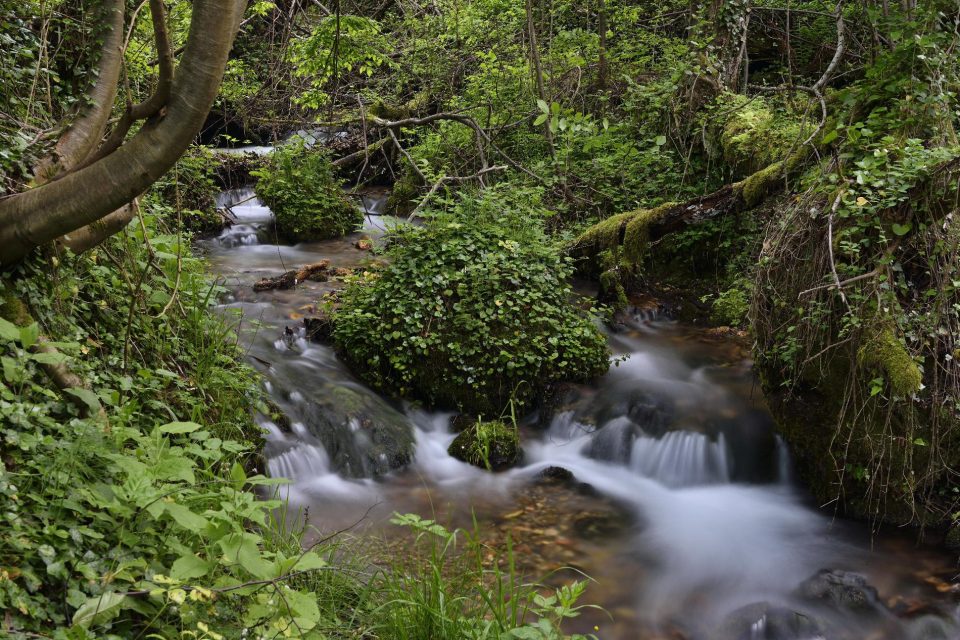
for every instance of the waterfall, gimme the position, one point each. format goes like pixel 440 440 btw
pixel 681 459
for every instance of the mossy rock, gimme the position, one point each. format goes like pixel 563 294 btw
pixel 362 434
pixel 490 445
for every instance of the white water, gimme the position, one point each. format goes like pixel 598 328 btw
pixel 671 435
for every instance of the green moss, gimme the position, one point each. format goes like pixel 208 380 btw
pixel 754 135
pixel 756 187
pixel 400 202
pixel 491 445
pixel 612 291
pixel 605 234
pixel 886 353
pixel 12 308
pixel 381 109
pixel 637 234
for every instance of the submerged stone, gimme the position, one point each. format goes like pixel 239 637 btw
pixel 766 621
pixel 362 434
pixel 842 590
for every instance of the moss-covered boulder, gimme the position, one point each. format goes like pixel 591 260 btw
pixel 491 445
pixel 299 186
pixel 473 312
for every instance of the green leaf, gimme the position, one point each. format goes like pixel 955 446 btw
pixel 302 608
pixel 88 397
pixel 238 475
pixel 49 358
pixel 185 517
pixel 901 229
pixel 241 548
pixel 661 140
pixel 98 609
pixel 188 567
pixel 543 106
pixel 540 119
pixel 830 137
pixel 29 335
pixel 9 331
pixel 179 427
pixel 310 560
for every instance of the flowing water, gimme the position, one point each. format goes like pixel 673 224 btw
pixel 683 508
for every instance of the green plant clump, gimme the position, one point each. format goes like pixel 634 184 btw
pixel 298 185
pixel 493 445
pixel 473 310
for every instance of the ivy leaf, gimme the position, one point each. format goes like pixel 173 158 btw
pixel 661 140
pixel 901 229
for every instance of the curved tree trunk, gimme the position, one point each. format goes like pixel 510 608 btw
pixel 40 215
pixel 83 135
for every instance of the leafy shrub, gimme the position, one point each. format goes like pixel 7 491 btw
pixel 188 192
pixel 472 310
pixel 298 185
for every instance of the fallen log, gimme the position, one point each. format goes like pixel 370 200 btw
pixel 318 272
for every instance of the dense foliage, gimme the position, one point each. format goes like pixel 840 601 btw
pixel 472 311
pixel 298 185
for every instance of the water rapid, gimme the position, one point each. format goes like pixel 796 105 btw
pixel 681 505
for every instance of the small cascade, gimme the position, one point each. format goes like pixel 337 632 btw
pixel 681 459
pixel 784 464
pixel 300 460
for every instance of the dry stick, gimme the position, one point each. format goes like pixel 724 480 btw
pixel 833 264
pixel 463 119
pixel 393 136
pixel 444 179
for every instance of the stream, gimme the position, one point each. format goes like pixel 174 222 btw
pixel 682 507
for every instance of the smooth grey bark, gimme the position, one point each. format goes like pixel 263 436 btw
pixel 82 197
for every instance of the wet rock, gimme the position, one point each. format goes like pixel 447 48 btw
pixel 319 328
pixel 461 421
pixel 613 441
pixel 931 627
pixel 557 398
pixel 764 621
pixel 362 434
pixel 555 475
pixel 491 445
pixel 840 589
pixel 599 525
pixel 364 244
